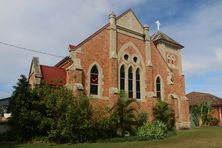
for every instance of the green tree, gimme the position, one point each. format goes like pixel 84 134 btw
pixel 164 113
pixel 50 106
pixel 78 119
pixel 124 114
pixel 60 116
pixel 20 106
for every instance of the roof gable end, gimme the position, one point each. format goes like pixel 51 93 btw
pixel 129 20
pixel 160 36
pixel 35 67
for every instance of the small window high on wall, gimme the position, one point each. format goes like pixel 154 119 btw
pixel 122 78
pixel 158 88
pixel 138 83
pixel 94 76
pixel 130 82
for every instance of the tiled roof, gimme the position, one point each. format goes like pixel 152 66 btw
pixel 198 97
pixel 53 75
pixel 62 61
pixel 158 36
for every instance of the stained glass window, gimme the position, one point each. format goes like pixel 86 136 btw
pixel 158 88
pixel 138 83
pixel 94 80
pixel 122 78
pixel 130 82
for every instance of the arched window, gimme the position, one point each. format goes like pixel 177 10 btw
pixel 94 76
pixel 158 88
pixel 138 83
pixel 122 78
pixel 130 82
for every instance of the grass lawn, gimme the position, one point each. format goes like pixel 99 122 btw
pixel 207 137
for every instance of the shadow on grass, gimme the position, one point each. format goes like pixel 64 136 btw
pixel 8 145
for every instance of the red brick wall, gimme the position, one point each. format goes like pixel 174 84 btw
pixel 97 49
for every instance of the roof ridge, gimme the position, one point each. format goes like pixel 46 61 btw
pixel 201 93
pixel 62 61
pixel 51 66
pixel 129 10
pixel 103 27
pixel 159 35
pixel 215 98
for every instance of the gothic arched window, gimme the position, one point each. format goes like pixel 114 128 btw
pixel 122 78
pixel 94 76
pixel 158 88
pixel 138 83
pixel 130 82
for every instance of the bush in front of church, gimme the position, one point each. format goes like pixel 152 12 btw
pixel 154 130
pixel 163 112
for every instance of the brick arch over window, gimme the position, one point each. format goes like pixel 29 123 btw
pixel 131 44
pixel 138 65
pixel 94 81
pixel 159 87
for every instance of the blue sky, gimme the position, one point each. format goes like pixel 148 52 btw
pixel 51 25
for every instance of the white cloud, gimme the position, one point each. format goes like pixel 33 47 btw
pixel 218 53
pixel 51 25
pixel 200 32
pixel 3 94
pixel 48 26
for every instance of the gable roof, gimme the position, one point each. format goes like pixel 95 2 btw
pixel 104 27
pixel 160 36
pixel 127 11
pixel 62 61
pixel 35 68
pixel 53 75
pixel 198 97
pixel 129 20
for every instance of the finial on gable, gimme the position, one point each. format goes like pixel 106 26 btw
pixel 112 19
pixel 158 25
pixel 112 14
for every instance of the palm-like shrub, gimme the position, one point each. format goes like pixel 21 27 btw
pixel 124 114
pixel 142 119
pixel 164 113
pixel 201 113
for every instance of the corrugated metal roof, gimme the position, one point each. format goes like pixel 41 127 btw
pixel 53 75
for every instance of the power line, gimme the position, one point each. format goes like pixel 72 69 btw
pixel 30 50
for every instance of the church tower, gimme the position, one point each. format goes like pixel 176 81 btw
pixel 169 49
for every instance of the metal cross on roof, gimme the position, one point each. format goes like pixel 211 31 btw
pixel 158 24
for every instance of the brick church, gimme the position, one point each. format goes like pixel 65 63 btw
pixel 122 55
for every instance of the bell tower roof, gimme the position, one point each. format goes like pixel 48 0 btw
pixel 162 37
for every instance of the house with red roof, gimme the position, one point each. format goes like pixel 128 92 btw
pixel 122 55
pixel 216 102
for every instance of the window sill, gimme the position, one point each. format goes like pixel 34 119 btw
pixel 98 97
